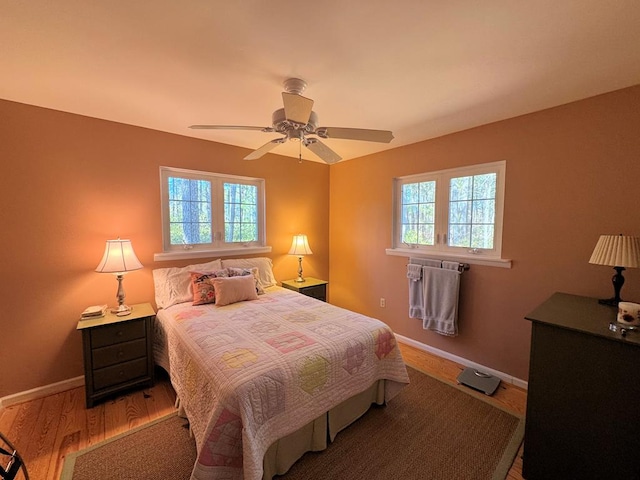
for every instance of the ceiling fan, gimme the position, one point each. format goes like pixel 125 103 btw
pixel 298 122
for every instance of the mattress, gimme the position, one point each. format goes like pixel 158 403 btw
pixel 253 373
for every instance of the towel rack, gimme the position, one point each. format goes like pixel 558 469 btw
pixel 462 267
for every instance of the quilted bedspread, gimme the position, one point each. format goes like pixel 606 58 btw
pixel 249 373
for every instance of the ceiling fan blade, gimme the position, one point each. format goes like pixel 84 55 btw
pixel 297 108
pixel 230 127
pixel 267 147
pixel 321 150
pixel 381 136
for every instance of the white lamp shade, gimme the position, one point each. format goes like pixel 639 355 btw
pixel 118 257
pixel 617 251
pixel 300 246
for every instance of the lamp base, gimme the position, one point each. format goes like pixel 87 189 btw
pixel 122 310
pixel 612 302
pixel 618 281
pixel 300 278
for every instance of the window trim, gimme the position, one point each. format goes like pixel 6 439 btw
pixel 470 259
pixel 166 256
pixel 444 251
pixel 217 247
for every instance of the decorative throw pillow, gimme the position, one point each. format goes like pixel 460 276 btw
pixel 264 265
pixel 239 272
pixel 173 285
pixel 202 286
pixel 234 289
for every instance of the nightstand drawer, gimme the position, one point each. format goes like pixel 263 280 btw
pixel 117 333
pixel 121 352
pixel 117 374
pixel 319 292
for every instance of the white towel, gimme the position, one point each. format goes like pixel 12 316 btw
pixel 441 289
pixel 414 272
pixel 416 302
pixel 425 262
pixel 450 265
pixel 416 294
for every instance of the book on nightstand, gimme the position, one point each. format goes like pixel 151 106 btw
pixel 94 311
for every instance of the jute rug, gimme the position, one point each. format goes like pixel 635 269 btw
pixel 430 431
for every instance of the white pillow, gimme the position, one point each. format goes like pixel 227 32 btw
pixel 264 264
pixel 173 285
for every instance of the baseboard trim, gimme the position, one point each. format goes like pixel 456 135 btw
pixel 462 361
pixel 40 392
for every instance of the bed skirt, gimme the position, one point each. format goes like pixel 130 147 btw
pixel 315 436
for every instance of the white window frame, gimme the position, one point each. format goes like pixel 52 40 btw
pixel 218 246
pixel 441 249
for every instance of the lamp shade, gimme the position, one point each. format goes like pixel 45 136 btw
pixel 118 257
pixel 300 246
pixel 617 251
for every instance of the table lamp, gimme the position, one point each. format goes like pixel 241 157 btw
pixel 619 252
pixel 119 258
pixel 300 247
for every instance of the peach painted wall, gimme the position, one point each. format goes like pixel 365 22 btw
pixel 69 183
pixel 573 173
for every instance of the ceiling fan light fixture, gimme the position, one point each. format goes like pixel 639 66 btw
pixel 295 135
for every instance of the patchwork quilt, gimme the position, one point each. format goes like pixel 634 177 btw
pixel 252 372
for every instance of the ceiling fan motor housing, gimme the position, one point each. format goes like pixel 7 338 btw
pixel 282 125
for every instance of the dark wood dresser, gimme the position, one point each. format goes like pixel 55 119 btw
pixel 118 352
pixel 583 401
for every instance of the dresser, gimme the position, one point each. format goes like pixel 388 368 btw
pixel 118 352
pixel 311 287
pixel 583 415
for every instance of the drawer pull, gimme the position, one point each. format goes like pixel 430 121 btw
pixel 120 353
pixel 120 333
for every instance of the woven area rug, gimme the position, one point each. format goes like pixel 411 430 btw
pixel 431 430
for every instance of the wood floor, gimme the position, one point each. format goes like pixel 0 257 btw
pixel 45 430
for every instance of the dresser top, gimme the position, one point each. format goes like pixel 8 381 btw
pixel 583 314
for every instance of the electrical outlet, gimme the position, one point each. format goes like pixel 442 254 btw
pixel 383 302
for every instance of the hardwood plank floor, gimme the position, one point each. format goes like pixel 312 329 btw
pixel 46 429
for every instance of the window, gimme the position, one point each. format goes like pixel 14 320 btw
pixel 457 211
pixel 204 211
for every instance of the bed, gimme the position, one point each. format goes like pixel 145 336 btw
pixel 263 380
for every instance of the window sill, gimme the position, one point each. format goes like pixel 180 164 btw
pixel 470 259
pixel 221 252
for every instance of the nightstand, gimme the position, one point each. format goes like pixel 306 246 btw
pixel 311 287
pixel 118 352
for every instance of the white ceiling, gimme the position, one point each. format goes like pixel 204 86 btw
pixel 421 68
